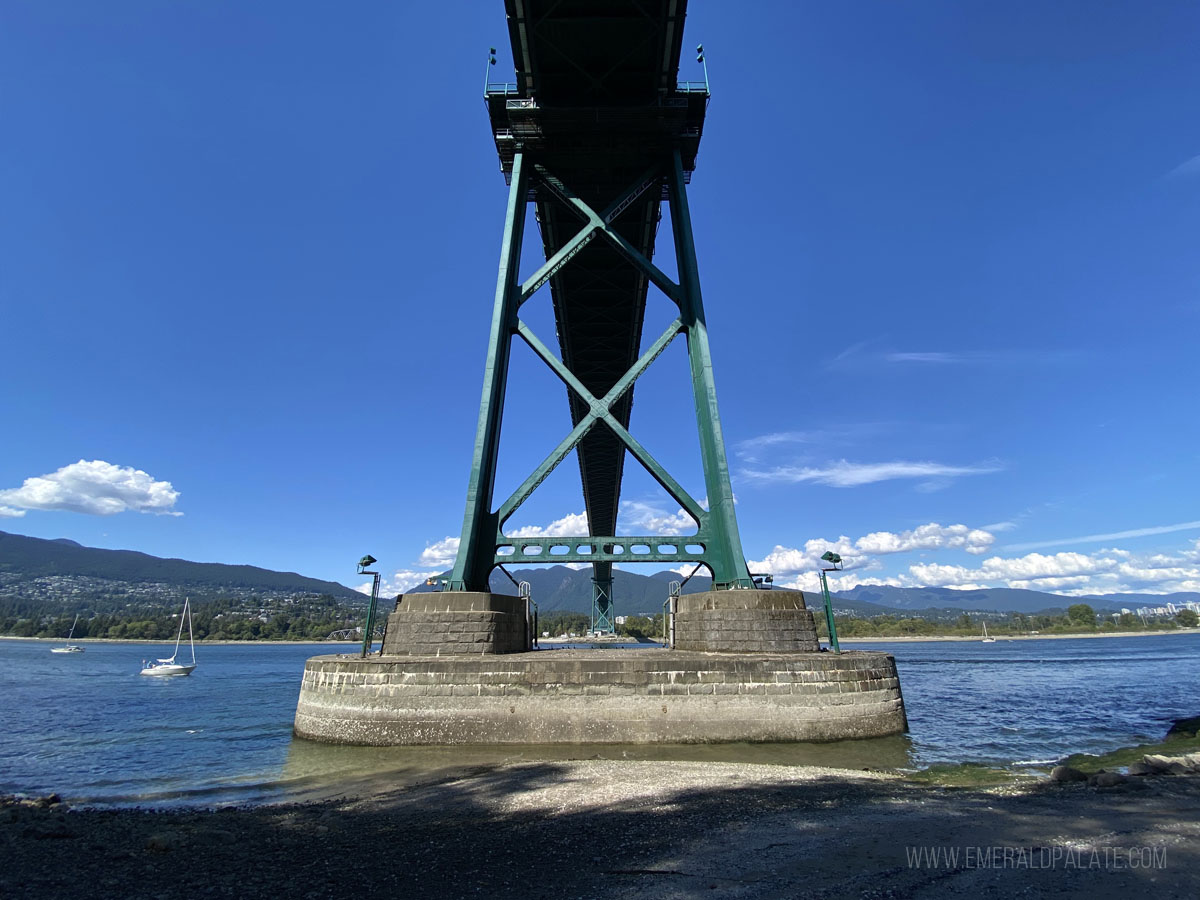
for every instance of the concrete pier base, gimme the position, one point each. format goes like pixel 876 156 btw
pixel 600 696
pixel 453 622
pixel 755 621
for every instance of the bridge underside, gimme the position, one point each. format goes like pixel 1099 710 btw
pixel 596 132
pixel 599 73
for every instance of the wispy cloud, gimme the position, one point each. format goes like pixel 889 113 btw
pixel 984 357
pixel 851 474
pixel 1000 526
pixel 852 351
pixel 927 357
pixel 1190 168
pixel 754 449
pixel 1102 538
pixel 751 448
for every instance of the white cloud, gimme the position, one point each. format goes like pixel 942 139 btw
pixel 398 582
pixel 847 474
pixel 440 554
pixel 1029 568
pixel 810 582
pixel 647 518
pixel 790 560
pixel 927 537
pixel 94 487
pixel 858 554
pixel 7 512
pixel 1101 538
pixel 570 525
pixel 1112 571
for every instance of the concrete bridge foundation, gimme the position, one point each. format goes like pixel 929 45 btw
pixel 746 668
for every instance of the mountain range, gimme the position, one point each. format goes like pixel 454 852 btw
pixel 50 569
pixel 61 566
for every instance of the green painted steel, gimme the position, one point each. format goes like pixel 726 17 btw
pixel 483 544
pixel 833 638
pixel 602 605
pixel 594 141
pixel 725 558
pixel 369 630
pixel 610 548
pixel 476 548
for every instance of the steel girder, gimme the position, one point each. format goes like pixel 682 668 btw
pixel 483 544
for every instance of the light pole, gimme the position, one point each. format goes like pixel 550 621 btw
pixel 487 70
pixel 363 564
pixel 835 563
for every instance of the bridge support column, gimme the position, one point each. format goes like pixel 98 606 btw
pixel 602 601
pixel 477 545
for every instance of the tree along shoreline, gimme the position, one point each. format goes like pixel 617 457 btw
pixel 304 618
pixel 353 643
pixel 1066 635
pixel 315 619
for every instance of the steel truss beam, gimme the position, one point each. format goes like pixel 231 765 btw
pixel 483 544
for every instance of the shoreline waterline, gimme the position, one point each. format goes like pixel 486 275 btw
pixel 225 734
pixel 1001 638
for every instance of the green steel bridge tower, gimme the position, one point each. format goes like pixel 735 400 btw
pixel 597 133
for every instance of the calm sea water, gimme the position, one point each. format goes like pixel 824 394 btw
pixel 87 726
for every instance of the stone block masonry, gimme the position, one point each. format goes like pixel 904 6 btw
pixel 600 696
pixel 757 621
pixel 456 622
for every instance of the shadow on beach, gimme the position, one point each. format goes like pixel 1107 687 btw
pixel 602 828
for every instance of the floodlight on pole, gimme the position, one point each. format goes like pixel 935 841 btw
pixel 835 565
pixel 487 70
pixel 363 564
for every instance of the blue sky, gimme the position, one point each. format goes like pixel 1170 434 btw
pixel 948 252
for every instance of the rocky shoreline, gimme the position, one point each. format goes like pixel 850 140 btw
pixel 1098 827
pixel 607 829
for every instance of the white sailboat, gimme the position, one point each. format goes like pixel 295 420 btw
pixel 70 648
pixel 986 639
pixel 170 666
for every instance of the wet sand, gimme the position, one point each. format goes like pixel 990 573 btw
pixel 609 829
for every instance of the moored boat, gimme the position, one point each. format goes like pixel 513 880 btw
pixel 169 666
pixel 69 648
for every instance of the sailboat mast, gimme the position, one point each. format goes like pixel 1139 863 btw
pixel 191 637
pixel 179 636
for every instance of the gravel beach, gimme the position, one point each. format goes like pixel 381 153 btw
pixel 607 829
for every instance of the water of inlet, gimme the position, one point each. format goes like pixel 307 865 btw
pixel 88 727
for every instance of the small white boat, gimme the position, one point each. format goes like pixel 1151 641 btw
pixel 986 639
pixel 70 648
pixel 169 666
